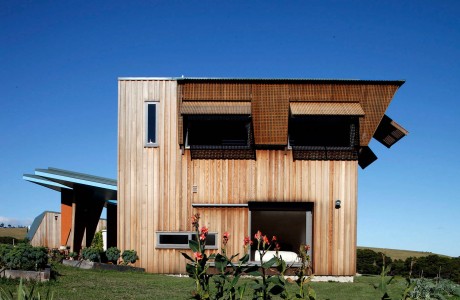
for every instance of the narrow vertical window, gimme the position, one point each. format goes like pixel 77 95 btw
pixel 151 124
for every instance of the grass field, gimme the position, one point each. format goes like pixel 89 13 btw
pixel 17 233
pixel 71 283
pixel 399 254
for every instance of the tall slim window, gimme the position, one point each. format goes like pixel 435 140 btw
pixel 151 128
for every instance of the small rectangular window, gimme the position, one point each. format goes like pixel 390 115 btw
pixel 179 240
pixel 151 128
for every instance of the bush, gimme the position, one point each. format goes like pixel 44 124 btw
pixel 113 254
pixel 91 254
pixel 73 255
pixel 4 249
pixel 11 240
pixel 129 256
pixel 26 257
pixel 370 262
pixel 98 242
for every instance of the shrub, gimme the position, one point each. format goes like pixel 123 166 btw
pixel 73 255
pixel 129 256
pixel 370 262
pixel 91 254
pixel 4 249
pixel 26 257
pixel 11 240
pixel 98 242
pixel 113 254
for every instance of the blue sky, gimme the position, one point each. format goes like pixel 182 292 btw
pixel 60 60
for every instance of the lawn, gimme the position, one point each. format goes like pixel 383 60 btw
pixel 71 283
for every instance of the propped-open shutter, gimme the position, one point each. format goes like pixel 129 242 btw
pixel 389 132
pixel 366 157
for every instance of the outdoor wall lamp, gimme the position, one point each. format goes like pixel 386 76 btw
pixel 338 203
pixel 55 217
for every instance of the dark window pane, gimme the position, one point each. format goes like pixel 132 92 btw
pixel 321 131
pixel 210 239
pixel 175 239
pixel 151 123
pixel 218 132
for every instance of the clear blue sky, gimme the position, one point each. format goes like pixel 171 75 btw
pixel 60 60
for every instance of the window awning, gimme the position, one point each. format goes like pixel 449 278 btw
pixel 389 132
pixel 327 108
pixel 215 108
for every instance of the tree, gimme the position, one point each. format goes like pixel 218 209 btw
pixel 2 225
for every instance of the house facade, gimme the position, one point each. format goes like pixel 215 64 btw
pixel 276 155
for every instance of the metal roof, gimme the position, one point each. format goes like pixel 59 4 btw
pixel 315 80
pixel 58 179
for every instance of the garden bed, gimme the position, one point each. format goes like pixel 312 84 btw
pixel 84 264
pixel 27 275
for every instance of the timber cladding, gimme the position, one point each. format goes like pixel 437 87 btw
pixel 48 233
pixel 157 186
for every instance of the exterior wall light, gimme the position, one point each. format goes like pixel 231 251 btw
pixel 55 217
pixel 338 204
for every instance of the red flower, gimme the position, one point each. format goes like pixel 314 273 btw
pixel 202 237
pixel 204 230
pixel 265 239
pixel 198 255
pixel 307 247
pixel 277 247
pixel 258 235
pixel 247 241
pixel 274 238
pixel 226 235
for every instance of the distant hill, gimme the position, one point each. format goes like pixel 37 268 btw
pixel 17 233
pixel 400 254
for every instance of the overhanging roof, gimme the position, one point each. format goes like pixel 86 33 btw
pixel 58 179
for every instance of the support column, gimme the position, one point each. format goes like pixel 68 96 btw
pixel 111 225
pixel 66 216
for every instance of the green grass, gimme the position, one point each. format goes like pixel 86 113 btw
pixel 17 233
pixel 72 283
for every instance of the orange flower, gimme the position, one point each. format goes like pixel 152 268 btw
pixel 198 255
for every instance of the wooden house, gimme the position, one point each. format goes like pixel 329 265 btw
pixel 276 155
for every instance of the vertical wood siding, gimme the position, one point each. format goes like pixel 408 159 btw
pixel 155 188
pixel 48 233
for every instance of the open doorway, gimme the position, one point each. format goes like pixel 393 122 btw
pixel 290 222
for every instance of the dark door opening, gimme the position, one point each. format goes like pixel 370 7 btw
pixel 290 222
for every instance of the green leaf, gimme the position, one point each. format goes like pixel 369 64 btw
pixel 187 257
pixel 277 289
pixel 244 259
pixel 194 246
pixel 270 263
